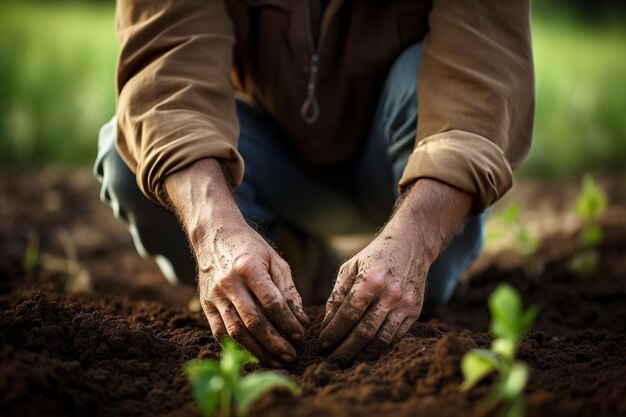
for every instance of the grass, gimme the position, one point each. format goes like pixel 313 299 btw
pixel 57 66
pixel 581 98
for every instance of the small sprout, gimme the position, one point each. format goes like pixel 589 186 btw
pixel 219 386
pixel 32 254
pixel 509 322
pixel 590 205
pixel 525 243
pixel 591 201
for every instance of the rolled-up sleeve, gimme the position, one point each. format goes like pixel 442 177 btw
pixel 175 101
pixel 476 97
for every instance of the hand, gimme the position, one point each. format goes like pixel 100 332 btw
pixel 379 293
pixel 246 289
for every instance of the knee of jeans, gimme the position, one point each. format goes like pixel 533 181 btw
pixel 119 186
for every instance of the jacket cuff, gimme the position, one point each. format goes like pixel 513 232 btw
pixel 172 156
pixel 462 160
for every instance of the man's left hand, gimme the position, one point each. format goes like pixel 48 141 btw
pixel 379 293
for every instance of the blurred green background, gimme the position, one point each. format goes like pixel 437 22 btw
pixel 57 66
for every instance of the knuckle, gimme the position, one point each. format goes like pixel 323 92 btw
pixel 275 306
pixel 407 302
pixel 246 266
pixel 386 336
pixel 253 323
pixel 235 331
pixel 394 295
pixel 284 266
pixel 226 282
pixel 351 314
pixel 374 282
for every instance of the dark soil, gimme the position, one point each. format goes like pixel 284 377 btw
pixel 104 335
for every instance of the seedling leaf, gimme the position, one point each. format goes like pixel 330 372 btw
pixel 218 386
pixel 506 308
pixel 515 382
pixel 505 348
pixel 591 201
pixel 207 383
pixel 591 235
pixel 253 386
pixel 477 364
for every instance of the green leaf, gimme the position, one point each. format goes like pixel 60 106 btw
pixel 515 382
pixel 528 319
pixel 585 262
pixel 505 348
pixel 511 214
pixel 253 386
pixel 477 364
pixel 591 235
pixel 207 384
pixel 233 359
pixel 505 306
pixel 592 201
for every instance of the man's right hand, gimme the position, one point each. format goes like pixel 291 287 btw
pixel 246 289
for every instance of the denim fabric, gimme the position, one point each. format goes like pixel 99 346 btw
pixel 353 196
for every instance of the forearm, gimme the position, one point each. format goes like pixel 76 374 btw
pixel 199 194
pixel 433 212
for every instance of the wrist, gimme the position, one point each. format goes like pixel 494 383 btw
pixel 434 212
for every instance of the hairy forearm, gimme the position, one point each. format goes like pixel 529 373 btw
pixel 434 212
pixel 199 194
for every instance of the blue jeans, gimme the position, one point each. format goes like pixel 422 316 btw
pixel 353 196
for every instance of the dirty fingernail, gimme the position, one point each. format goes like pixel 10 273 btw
pixel 296 336
pixel 286 357
pixel 325 344
pixel 275 364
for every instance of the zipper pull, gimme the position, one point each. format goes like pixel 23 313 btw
pixel 310 110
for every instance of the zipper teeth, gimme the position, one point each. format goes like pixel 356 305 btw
pixel 310 108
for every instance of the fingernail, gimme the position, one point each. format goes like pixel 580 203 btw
pixel 296 336
pixel 275 364
pixel 325 344
pixel 286 357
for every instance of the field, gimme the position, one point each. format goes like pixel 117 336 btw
pixel 89 328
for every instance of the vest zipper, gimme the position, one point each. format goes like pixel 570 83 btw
pixel 310 110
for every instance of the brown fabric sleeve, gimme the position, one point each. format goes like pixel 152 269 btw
pixel 476 97
pixel 175 102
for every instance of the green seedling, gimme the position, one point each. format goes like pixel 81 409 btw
pixel 590 205
pixel 219 387
pixel 525 242
pixel 32 254
pixel 509 322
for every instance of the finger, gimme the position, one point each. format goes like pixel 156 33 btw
pixel 258 325
pixel 385 335
pixel 364 291
pixel 218 328
pixel 281 275
pixel 238 332
pixel 361 335
pixel 271 299
pixel 345 281
pixel 404 328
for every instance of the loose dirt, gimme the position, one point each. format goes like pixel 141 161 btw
pixel 104 335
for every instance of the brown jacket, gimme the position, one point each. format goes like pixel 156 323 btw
pixel 181 61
